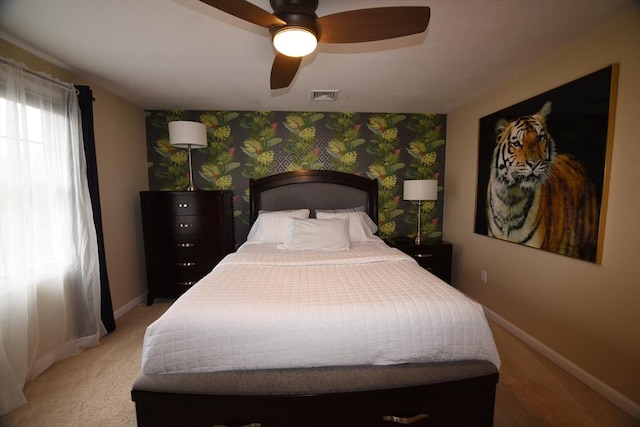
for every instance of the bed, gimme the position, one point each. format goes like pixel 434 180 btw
pixel 314 321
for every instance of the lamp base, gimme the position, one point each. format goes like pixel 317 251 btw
pixel 191 186
pixel 418 239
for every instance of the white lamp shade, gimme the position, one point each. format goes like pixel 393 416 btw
pixel 183 134
pixel 421 189
pixel 295 41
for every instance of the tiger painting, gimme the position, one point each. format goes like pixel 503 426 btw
pixel 536 196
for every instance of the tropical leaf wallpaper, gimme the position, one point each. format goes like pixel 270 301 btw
pixel 391 147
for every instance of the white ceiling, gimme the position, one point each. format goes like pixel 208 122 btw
pixel 184 54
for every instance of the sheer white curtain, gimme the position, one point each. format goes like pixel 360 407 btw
pixel 49 271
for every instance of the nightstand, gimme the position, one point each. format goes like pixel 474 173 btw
pixel 434 256
pixel 186 233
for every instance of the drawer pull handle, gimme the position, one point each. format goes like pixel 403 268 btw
pixel 403 420
pixel 184 225
pixel 185 264
pixel 186 283
pixel 183 205
pixel 185 245
pixel 423 255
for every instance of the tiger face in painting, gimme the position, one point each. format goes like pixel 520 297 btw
pixel 536 196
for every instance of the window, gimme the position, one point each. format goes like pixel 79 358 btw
pixel 49 270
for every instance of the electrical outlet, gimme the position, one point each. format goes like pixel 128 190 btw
pixel 483 276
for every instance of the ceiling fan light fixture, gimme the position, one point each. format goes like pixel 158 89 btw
pixel 295 41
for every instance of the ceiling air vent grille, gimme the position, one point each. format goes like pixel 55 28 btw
pixel 324 95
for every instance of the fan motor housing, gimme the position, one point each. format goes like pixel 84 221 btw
pixel 296 13
pixel 307 7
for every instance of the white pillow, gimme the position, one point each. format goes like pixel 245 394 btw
pixel 368 221
pixel 317 234
pixel 359 230
pixel 270 227
pixel 345 210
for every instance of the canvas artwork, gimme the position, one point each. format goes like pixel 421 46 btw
pixel 543 167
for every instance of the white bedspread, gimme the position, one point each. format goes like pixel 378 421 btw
pixel 267 308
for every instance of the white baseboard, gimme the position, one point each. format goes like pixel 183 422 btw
pixel 128 306
pixel 606 391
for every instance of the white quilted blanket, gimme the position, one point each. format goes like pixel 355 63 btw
pixel 264 308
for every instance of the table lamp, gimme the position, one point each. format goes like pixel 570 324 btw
pixel 419 190
pixel 184 134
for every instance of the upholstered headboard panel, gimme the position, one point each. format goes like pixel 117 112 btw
pixel 313 189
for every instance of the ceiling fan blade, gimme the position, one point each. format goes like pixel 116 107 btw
pixel 283 70
pixel 247 11
pixel 365 25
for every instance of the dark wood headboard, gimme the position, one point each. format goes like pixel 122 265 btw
pixel 313 189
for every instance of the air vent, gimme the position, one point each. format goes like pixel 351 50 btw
pixel 324 95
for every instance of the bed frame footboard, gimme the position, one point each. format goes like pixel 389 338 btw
pixel 447 394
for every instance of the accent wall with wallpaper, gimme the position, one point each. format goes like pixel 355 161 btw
pixel 390 147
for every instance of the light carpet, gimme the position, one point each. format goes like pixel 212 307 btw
pixel 93 388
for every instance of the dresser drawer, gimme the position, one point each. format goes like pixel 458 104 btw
pixel 171 276
pixel 168 264
pixel 169 203
pixel 433 257
pixel 435 260
pixel 174 285
pixel 444 408
pixel 429 255
pixel 381 413
pixel 183 224
pixel 185 235
pixel 226 411
pixel 186 244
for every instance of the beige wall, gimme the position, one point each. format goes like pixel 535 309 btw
pixel 122 172
pixel 587 313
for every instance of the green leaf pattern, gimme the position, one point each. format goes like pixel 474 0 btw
pixel 301 142
pixel 172 167
pixel 390 147
pixel 346 139
pixel 220 152
pixel 424 165
pixel 385 148
pixel 260 144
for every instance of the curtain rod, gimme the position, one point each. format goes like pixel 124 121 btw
pixel 43 76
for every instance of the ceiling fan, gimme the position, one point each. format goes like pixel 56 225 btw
pixel 295 23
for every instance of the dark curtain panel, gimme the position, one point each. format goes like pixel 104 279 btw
pixel 85 97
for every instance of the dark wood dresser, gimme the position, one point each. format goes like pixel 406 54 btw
pixel 434 256
pixel 186 233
